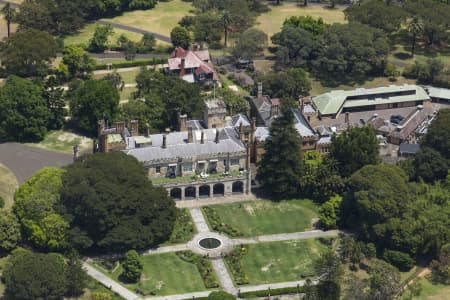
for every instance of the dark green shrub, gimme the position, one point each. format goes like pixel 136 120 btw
pixel 217 225
pixel 203 265
pixel 399 259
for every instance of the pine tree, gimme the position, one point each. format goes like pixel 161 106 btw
pixel 76 276
pixel 132 266
pixel 281 167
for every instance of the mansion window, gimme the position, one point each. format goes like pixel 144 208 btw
pixel 187 167
pixel 234 161
pixel 158 170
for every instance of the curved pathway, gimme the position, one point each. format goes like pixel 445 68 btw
pixel 136 30
pixel 24 161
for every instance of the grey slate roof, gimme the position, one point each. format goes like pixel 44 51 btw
pixel 177 146
pixel 261 134
pixel 409 148
pixel 302 125
pixel 238 119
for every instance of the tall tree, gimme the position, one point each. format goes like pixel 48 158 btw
pixel 112 206
pixel 92 101
pixel 384 281
pixel 54 96
pixel 250 44
pixel 292 83
pixel 98 42
pixel 225 19
pixel 132 267
pixel 28 53
pixel 24 115
pixel 180 37
pixel 76 275
pixel 9 232
pixel 34 204
pixel 31 276
pixel 438 135
pixel 355 148
pixel 281 167
pixel 9 14
pixel 415 27
pixel 79 63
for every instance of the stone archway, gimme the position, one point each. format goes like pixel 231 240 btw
pixel 219 190
pixel 190 193
pixel 238 187
pixel 203 191
pixel 175 194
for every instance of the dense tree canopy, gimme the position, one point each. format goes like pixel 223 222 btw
pixel 354 148
pixel 395 215
pixel 91 101
pixel 166 96
pixel 292 83
pixel 281 167
pixel 250 44
pixel 34 206
pixel 24 112
pixel 30 276
pixel 377 14
pixel 9 232
pixel 28 53
pixel 351 51
pixel 296 46
pixel 77 62
pixel 112 206
pixel 308 23
pixel 180 37
pixel 438 135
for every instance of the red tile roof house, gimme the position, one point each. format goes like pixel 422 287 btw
pixel 192 66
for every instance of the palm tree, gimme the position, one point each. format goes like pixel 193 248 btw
pixel 415 26
pixel 225 19
pixel 9 13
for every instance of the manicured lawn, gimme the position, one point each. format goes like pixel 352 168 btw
pixel 272 21
pixel 63 141
pixel 432 291
pixel 266 217
pixel 400 56
pixel 164 274
pixel 281 261
pixel 87 32
pixel 162 19
pixel 127 77
pixel 127 93
pixel 8 185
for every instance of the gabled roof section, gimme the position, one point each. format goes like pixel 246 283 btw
pixel 240 119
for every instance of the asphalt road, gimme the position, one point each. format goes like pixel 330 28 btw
pixel 24 161
pixel 137 30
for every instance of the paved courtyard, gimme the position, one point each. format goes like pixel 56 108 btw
pixel 24 161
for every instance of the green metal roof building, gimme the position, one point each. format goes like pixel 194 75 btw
pixel 333 103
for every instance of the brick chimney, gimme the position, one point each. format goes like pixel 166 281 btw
pixel 216 140
pixel 164 144
pixel 241 132
pixel 347 118
pixel 182 68
pixel 182 122
pixel 190 135
pixel 259 95
pixel 275 109
pixel 202 139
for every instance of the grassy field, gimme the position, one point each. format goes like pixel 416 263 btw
pixel 272 21
pixel 400 56
pixel 431 291
pixel 63 141
pixel 127 93
pixel 8 185
pixel 266 217
pixel 164 274
pixel 127 77
pixel 162 19
pixel 281 261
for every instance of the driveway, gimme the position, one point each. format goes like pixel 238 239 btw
pixel 24 161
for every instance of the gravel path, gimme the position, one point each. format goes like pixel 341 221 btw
pixel 223 276
pixel 199 220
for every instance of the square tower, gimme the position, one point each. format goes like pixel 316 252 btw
pixel 214 113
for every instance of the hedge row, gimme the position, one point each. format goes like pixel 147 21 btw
pixel 136 63
pixel 271 292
